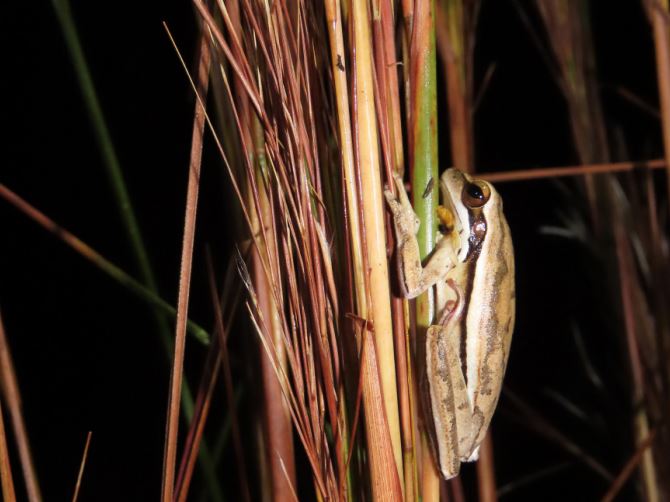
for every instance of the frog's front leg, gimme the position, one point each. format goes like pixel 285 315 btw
pixel 454 420
pixel 416 278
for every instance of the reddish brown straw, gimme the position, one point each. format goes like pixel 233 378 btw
pixel 80 475
pixel 559 172
pixel 6 481
pixel 11 395
pixel 172 425
pixel 629 468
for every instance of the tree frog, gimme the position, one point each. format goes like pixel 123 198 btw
pixel 463 356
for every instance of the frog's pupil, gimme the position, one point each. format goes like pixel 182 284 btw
pixel 474 191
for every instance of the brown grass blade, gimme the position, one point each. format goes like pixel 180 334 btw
pixel 629 468
pixel 628 284
pixel 486 478
pixel 456 21
pixel 90 254
pixel 82 464
pixel 217 358
pixel 172 425
pixel 658 14
pixel 563 171
pixel 197 426
pixel 12 398
pixel 6 480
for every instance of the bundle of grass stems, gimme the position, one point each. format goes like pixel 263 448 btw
pixel 313 107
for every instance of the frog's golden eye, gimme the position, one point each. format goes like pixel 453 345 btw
pixel 476 194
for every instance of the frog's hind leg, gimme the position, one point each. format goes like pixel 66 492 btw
pixel 451 407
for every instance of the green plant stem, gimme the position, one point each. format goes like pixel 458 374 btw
pixel 424 161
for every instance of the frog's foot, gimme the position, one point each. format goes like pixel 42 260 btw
pixel 405 220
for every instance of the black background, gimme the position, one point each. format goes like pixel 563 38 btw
pixel 86 352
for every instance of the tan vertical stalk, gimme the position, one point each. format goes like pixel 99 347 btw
pixel 6 481
pixel 640 420
pixel 659 21
pixel 375 235
pixel 455 43
pixel 338 60
pixel 390 121
pixel 569 30
pixel 11 395
pixel 486 479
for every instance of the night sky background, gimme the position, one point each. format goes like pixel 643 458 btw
pixel 86 351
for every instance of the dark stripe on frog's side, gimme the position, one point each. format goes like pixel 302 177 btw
pixel 489 391
pixel 476 239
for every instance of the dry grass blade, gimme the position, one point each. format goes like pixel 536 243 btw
pixel 6 480
pixel 457 21
pixel 658 15
pixel 98 260
pixel 197 426
pixel 629 468
pixel 280 168
pixel 633 307
pixel 12 397
pixel 82 464
pixel 217 358
pixel 581 170
pixel 172 425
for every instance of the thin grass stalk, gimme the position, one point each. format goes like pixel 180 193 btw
pixel 486 480
pixel 124 205
pixel 538 173
pixel 457 20
pixel 215 357
pixel 568 27
pixel 6 480
pixel 196 428
pixel 82 465
pixel 641 427
pixel 659 334
pixel 658 14
pixel 384 479
pixel 104 139
pixel 172 425
pixel 112 166
pixel 354 251
pixel 390 126
pixel 104 265
pixel 424 165
pixel 628 469
pixel 276 417
pixel 387 19
pixel 12 397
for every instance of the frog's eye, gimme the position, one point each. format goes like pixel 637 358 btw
pixel 476 194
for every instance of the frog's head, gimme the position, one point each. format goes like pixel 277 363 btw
pixel 468 204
